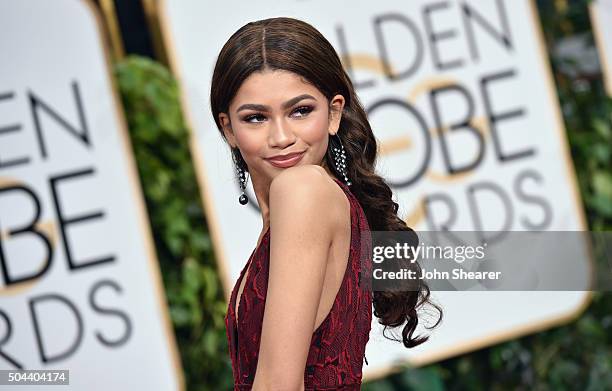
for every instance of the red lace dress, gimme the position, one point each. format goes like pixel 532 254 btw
pixel 337 348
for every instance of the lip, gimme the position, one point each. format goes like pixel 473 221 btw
pixel 288 160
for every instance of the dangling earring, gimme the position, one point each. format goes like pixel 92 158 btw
pixel 340 159
pixel 243 199
pixel 242 181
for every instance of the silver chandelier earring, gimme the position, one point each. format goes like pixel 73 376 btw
pixel 340 158
pixel 242 181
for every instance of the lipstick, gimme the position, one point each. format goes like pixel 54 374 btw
pixel 287 160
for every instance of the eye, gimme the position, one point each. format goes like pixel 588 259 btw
pixel 303 110
pixel 249 118
pixel 258 118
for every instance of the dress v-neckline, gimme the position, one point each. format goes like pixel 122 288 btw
pixel 245 276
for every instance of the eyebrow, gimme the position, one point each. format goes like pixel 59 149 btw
pixel 287 104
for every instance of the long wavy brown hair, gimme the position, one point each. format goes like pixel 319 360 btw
pixel 292 45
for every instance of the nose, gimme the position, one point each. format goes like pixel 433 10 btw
pixel 281 135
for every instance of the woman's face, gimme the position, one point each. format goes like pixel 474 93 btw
pixel 275 113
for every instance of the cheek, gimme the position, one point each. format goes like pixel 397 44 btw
pixel 250 141
pixel 315 131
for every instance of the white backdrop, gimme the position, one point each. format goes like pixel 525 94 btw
pixel 601 19
pixel 80 286
pixel 495 103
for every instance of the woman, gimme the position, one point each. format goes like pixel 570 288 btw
pixel 299 316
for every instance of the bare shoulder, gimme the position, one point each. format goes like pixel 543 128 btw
pixel 304 180
pixel 309 188
pixel 303 205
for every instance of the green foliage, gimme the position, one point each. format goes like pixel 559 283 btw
pixel 574 356
pixel 194 292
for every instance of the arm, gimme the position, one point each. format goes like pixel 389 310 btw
pixel 301 228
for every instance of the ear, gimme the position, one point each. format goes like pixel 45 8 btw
pixel 227 129
pixel 336 105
